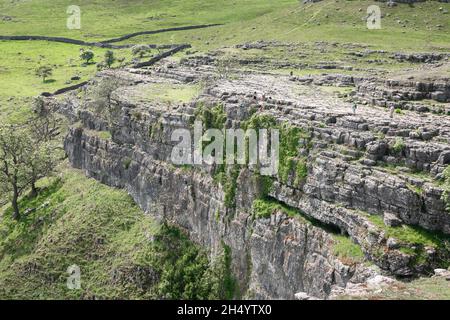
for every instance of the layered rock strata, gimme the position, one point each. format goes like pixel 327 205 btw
pixel 362 178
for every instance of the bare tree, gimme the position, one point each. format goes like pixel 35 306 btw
pixel 44 125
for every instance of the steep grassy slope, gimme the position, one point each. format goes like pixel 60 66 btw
pixel 122 252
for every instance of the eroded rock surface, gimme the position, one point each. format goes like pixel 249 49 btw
pixel 361 181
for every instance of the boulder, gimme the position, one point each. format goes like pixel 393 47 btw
pixel 441 273
pixel 304 296
pixel 392 220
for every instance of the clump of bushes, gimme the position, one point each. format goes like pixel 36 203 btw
pixel 140 50
pixel 186 273
pixel 87 56
pixel 212 118
pixel 292 139
pixel 399 146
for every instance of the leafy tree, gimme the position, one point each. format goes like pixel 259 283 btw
pixel 87 55
pixel 109 58
pixel 41 163
pixel 28 152
pixel 16 148
pixel 100 99
pixel 44 72
pixel 44 131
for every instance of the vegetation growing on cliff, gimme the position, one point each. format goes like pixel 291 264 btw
pixel 398 146
pixel 264 208
pixel 414 240
pixel 346 249
pixel 292 140
pixel 343 247
pixel 229 289
pixel 446 186
pixel 184 269
pixel 212 117
pixel 215 118
pixel 229 181
pixel 411 234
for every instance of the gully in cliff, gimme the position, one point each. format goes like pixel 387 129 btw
pixel 227 146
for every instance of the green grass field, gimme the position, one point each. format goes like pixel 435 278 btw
pixel 20 59
pixel 329 20
pixel 287 20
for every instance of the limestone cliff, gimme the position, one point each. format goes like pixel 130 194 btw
pixel 360 179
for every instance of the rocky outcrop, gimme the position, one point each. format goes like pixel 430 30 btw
pixel 272 258
pixel 394 92
pixel 360 182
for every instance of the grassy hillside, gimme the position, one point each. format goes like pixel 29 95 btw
pixel 105 19
pixel 422 27
pixel 122 252
pixel 337 20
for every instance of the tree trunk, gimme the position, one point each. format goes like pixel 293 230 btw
pixel 15 204
pixel 34 192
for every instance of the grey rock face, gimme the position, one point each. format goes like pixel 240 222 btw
pixel 279 256
pixel 392 220
pixel 272 258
